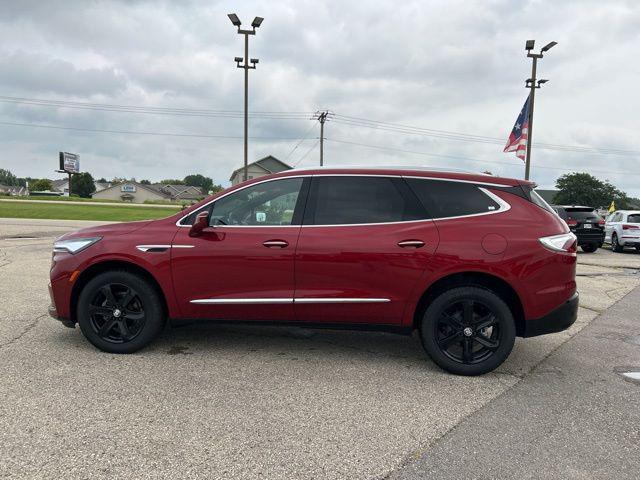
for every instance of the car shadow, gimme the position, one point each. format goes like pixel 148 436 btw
pixel 234 341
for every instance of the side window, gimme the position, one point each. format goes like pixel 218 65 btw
pixel 270 203
pixel 443 199
pixel 343 200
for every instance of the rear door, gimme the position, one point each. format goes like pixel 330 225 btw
pixel 363 245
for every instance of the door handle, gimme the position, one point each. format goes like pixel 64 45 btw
pixel 275 244
pixel 411 244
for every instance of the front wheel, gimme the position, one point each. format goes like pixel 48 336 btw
pixel 589 247
pixel 468 330
pixel 615 246
pixel 120 312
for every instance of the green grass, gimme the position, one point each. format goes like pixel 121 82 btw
pixel 82 212
pixel 93 200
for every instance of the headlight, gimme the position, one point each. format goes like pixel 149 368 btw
pixel 74 245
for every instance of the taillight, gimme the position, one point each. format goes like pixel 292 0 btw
pixel 572 222
pixel 564 243
pixel 630 227
pixel 601 222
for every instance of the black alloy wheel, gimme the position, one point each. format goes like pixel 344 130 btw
pixel 468 330
pixel 116 313
pixel 120 312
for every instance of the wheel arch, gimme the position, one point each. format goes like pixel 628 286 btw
pixel 109 265
pixel 480 279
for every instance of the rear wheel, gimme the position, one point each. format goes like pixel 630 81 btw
pixel 589 247
pixel 615 246
pixel 468 330
pixel 119 312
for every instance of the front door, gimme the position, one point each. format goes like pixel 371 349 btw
pixel 242 267
pixel 364 244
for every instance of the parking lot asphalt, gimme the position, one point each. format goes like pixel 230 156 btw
pixel 210 401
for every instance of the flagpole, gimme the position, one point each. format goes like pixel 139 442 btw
pixel 532 97
pixel 531 84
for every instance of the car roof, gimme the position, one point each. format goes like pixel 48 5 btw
pixel 409 171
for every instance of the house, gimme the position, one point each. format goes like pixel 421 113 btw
pixel 548 195
pixel 264 166
pixel 179 192
pixel 13 191
pixel 139 193
pixel 62 185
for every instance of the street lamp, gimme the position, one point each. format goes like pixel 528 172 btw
pixel 532 85
pixel 248 65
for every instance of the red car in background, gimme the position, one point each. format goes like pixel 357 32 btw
pixel 470 261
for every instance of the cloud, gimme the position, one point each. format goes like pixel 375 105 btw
pixel 446 65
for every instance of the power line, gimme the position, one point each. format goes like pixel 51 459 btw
pixel 297 115
pixel 306 154
pixel 283 115
pixel 131 132
pixel 304 137
pixel 397 128
pixel 476 160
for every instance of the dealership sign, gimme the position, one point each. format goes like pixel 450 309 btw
pixel 128 188
pixel 70 162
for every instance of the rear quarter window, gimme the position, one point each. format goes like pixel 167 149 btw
pixel 446 199
pixel 634 218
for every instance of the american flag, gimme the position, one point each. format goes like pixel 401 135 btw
pixel 518 139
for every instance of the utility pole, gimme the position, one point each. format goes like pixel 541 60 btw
pixel 322 117
pixel 255 24
pixel 531 84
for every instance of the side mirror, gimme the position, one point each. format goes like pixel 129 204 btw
pixel 201 222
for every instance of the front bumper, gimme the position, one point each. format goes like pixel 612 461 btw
pixel 557 320
pixel 53 312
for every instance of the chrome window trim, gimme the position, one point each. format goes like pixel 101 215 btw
pixel 276 301
pixel 504 206
pixel 178 224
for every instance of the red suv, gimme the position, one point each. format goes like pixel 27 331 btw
pixel 469 261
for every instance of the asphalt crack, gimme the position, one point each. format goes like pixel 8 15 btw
pixel 26 330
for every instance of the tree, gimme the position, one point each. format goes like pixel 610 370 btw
pixel 585 189
pixel 102 180
pixel 197 180
pixel 8 178
pixel 40 185
pixel 82 184
pixel 145 182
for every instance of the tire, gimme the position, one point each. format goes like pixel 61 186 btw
pixel 615 246
pixel 120 312
pixel 454 340
pixel 589 247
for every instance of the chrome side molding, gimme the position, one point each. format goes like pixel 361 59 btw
pixel 259 301
pixel 160 248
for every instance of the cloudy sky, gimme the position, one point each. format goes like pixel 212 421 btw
pixel 452 66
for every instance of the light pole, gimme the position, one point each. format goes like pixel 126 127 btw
pixel 255 24
pixel 531 84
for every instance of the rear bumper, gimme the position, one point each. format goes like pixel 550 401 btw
pixel 557 320
pixel 595 237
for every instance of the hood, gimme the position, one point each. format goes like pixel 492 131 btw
pixel 108 229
